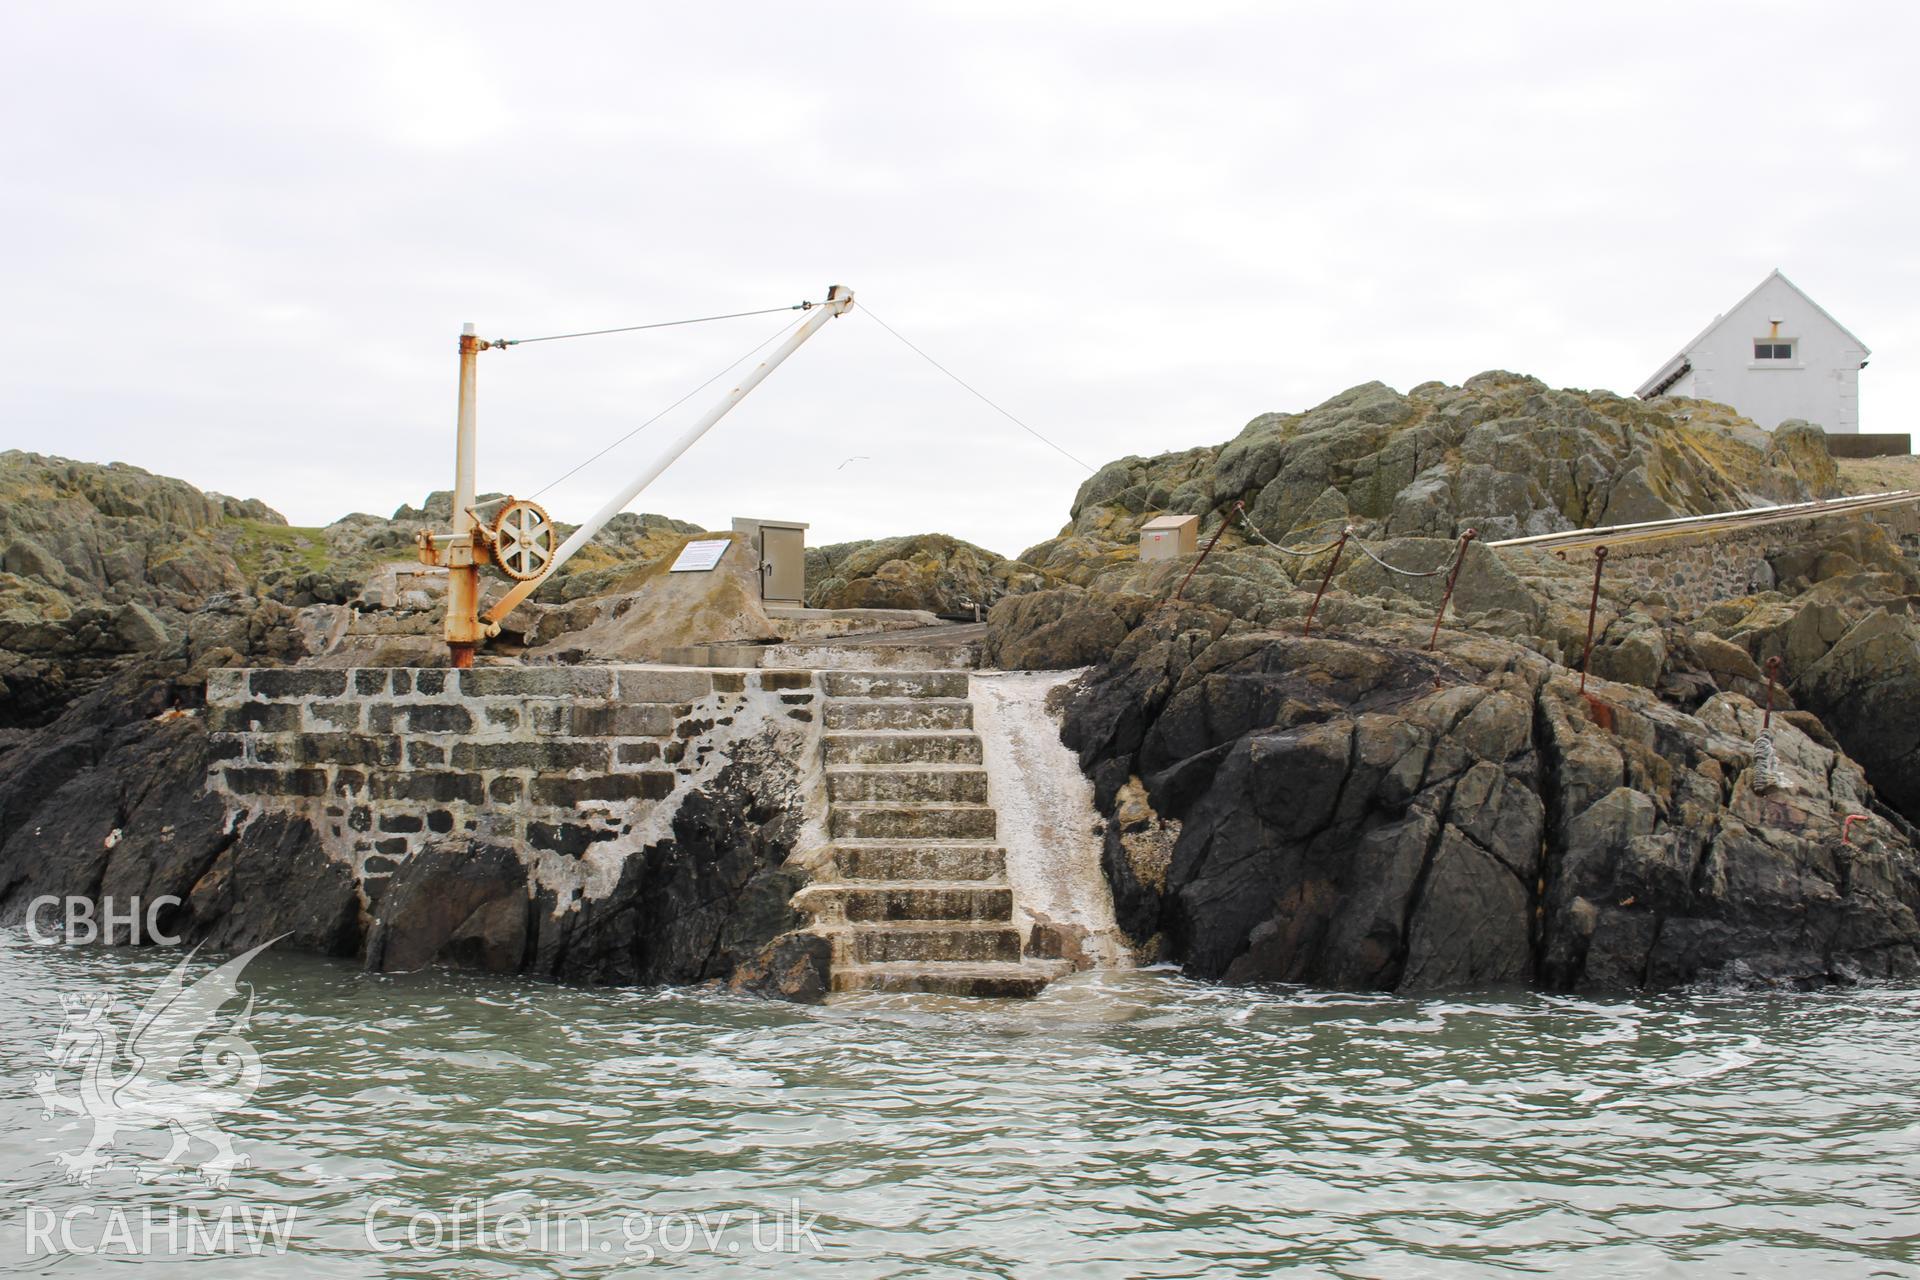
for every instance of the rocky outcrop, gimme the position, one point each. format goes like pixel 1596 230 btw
pixel 1061 628
pixel 929 571
pixel 1503 454
pixel 1354 812
pixel 102 564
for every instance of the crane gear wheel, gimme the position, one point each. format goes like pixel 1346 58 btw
pixel 522 540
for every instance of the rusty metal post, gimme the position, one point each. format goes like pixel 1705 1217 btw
pixel 463 630
pixel 1773 675
pixel 1446 598
pixel 1593 609
pixel 1338 547
pixel 1224 522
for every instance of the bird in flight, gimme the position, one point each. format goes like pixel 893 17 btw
pixel 858 457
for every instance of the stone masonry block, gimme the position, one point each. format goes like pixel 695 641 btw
pixel 536 682
pixel 328 716
pixel 567 793
pixel 548 755
pixel 641 685
pixel 438 718
pixel 370 681
pixel 644 720
pixel 254 717
pixel 294 682
pixel 422 754
pixel 227 684
pixel 438 786
pixel 346 748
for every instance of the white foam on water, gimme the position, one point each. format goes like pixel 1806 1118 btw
pixel 1048 823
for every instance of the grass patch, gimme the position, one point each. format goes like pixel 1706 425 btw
pixel 260 546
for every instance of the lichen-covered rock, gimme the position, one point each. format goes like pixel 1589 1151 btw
pixel 929 571
pixel 1060 628
pixel 1503 454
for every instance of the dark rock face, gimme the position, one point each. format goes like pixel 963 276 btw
pixel 1867 687
pixel 1356 813
pixel 794 966
pixel 110 802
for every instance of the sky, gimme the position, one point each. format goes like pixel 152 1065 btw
pixel 238 241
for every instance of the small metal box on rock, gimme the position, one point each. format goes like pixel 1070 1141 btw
pixel 1169 537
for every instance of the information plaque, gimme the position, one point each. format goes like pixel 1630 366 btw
pixel 701 555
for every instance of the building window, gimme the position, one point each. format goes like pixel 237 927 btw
pixel 1773 350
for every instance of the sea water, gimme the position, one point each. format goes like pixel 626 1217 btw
pixel 1127 1123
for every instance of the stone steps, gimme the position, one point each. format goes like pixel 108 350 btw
pixel 876 900
pixel 1020 981
pixel 941 784
pixel 936 746
pixel 895 684
pixel 886 860
pixel 894 941
pixel 914 895
pixel 899 713
pixel 912 822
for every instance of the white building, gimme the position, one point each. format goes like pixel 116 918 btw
pixel 1776 355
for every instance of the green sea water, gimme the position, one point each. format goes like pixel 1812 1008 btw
pixel 1124 1124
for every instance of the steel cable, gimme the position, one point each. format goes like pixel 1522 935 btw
pixel 663 324
pixel 863 307
pixel 734 364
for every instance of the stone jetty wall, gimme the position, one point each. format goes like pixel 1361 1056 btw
pixel 1692 574
pixel 573 767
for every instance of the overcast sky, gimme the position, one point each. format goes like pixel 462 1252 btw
pixel 239 239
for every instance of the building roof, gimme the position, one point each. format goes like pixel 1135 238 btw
pixel 1670 372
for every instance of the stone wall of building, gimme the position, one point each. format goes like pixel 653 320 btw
pixel 572 768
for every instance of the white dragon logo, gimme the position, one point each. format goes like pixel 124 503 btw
pixel 145 1095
